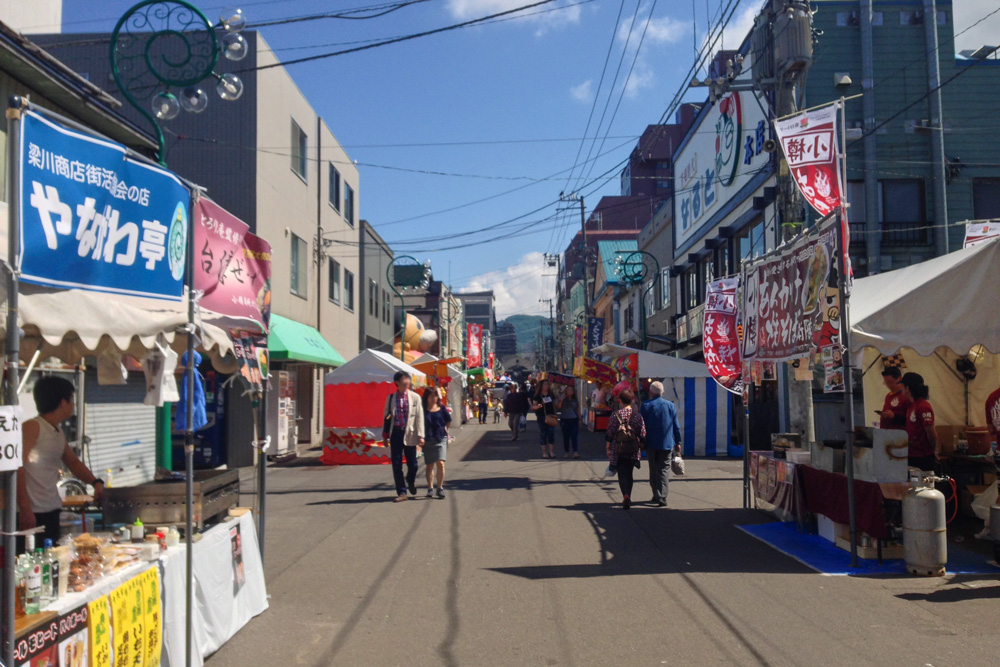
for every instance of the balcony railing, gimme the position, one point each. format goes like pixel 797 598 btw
pixel 894 234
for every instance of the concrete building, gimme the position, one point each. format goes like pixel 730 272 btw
pixel 481 308
pixel 375 330
pixel 506 340
pixel 605 305
pixel 271 160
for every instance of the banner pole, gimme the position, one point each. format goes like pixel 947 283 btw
pixel 189 444
pixel 13 348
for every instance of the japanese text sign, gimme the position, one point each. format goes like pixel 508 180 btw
pixel 232 267
pixel 74 640
pixel 475 345
pixel 595 334
pixel 128 618
pixel 809 141
pixel 784 298
pixel 10 437
pixel 722 345
pixel 100 632
pixel 578 341
pixel 980 232
pixel 150 582
pixel 93 218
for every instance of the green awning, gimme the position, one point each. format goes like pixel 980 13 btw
pixel 289 340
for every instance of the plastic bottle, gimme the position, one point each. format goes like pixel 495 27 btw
pixel 173 537
pixel 137 531
pixel 33 579
pixel 109 479
pixel 54 571
pixel 64 561
pixel 20 578
pixel 43 562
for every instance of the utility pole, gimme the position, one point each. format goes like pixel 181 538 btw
pixel 936 130
pixel 583 232
pixel 552 331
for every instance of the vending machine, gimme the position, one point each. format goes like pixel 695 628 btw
pixel 281 413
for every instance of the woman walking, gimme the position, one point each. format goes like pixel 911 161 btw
pixel 569 421
pixel 625 437
pixel 436 445
pixel 545 409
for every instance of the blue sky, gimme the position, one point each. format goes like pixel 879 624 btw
pixel 494 107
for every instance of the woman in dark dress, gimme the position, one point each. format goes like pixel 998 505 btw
pixel 544 406
pixel 436 420
pixel 625 462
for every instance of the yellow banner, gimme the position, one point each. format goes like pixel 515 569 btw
pixel 127 616
pixel 150 581
pixel 100 632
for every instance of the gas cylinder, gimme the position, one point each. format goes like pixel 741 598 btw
pixel 925 538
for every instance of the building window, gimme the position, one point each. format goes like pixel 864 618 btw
pixel 300 266
pixel 903 201
pixel 334 188
pixel 692 288
pixel 349 204
pixel 665 288
pixel 372 298
pixel 629 317
pixel 348 290
pixel 986 198
pixel 386 307
pixel 334 280
pixel 856 201
pixel 300 152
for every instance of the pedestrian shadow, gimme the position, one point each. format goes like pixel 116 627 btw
pixel 651 540
pixel 957 594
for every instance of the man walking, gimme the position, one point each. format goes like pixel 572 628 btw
pixel 403 432
pixel 517 406
pixel 663 435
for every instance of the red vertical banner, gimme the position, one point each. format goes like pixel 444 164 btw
pixel 475 347
pixel 722 345
pixel 578 342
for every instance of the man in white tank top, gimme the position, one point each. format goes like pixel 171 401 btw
pixel 45 451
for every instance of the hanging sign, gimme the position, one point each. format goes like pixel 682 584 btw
pixel 93 218
pixel 784 297
pixel 809 142
pixel 232 267
pixel 475 347
pixel 595 334
pixel 980 232
pixel 578 342
pixel 10 437
pixel 722 346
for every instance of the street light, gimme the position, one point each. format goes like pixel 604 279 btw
pixel 158 46
pixel 410 274
pixel 632 270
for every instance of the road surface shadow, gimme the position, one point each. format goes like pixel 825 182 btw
pixel 651 540
pixel 957 594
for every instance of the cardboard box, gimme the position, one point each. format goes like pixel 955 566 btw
pixel 891 551
pixel 826 458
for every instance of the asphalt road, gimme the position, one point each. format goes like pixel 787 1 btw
pixel 532 561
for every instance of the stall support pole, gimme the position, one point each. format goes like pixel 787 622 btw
pixel 262 472
pixel 747 492
pixel 189 451
pixel 845 337
pixel 12 352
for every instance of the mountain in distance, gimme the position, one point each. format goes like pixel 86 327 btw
pixel 527 328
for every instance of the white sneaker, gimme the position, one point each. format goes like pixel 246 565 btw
pixel 610 472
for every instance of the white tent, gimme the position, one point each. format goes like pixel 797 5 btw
pixel 704 408
pixel 373 366
pixel 931 313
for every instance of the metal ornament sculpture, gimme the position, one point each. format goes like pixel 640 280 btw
pixel 159 46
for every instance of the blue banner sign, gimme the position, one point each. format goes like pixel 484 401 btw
pixel 595 334
pixel 93 218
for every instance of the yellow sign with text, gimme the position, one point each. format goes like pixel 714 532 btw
pixel 100 632
pixel 152 613
pixel 128 619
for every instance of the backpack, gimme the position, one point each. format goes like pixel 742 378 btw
pixel 626 438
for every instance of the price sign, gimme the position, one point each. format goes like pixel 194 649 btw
pixel 150 581
pixel 100 632
pixel 10 437
pixel 127 620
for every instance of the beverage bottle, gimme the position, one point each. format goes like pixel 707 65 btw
pixel 53 563
pixel 19 578
pixel 33 587
pixel 43 563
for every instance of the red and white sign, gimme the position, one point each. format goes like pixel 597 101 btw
pixel 809 141
pixel 980 232
pixel 722 345
pixel 232 267
pixel 475 347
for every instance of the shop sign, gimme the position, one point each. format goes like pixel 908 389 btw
pixel 128 621
pixel 595 334
pixel 578 342
pixel 74 639
pixel 38 647
pixel 152 621
pixel 722 346
pixel 980 232
pixel 809 142
pixel 100 631
pixel 724 152
pixel 93 218
pixel 232 267
pixel 784 297
pixel 475 348
pixel 10 437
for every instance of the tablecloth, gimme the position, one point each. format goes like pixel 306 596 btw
pixel 826 493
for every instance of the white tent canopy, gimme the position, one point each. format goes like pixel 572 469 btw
pixel 372 366
pixel 652 365
pixel 950 301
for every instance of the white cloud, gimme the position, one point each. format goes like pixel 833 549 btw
pixel 519 287
pixel 968 12
pixel 659 31
pixel 735 31
pixel 464 10
pixel 582 92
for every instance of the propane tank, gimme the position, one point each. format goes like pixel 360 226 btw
pixel 925 538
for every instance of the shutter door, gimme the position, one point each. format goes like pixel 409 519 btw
pixel 122 431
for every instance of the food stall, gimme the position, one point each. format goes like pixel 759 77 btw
pixel 599 378
pixel 704 408
pixel 354 396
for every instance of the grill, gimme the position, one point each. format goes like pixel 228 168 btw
pixel 163 502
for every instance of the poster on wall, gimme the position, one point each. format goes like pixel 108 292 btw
pixel 239 571
pixel 93 218
pixel 722 346
pixel 74 638
pixel 475 346
pixel 783 297
pixel 833 369
pixel 980 232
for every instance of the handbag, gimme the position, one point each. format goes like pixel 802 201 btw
pixel 551 420
pixel 677 465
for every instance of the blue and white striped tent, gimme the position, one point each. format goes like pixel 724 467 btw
pixel 704 409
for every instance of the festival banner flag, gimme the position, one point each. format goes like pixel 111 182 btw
pixel 475 345
pixel 578 342
pixel 722 346
pixel 595 334
pixel 980 232
pixel 809 142
pixel 783 297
